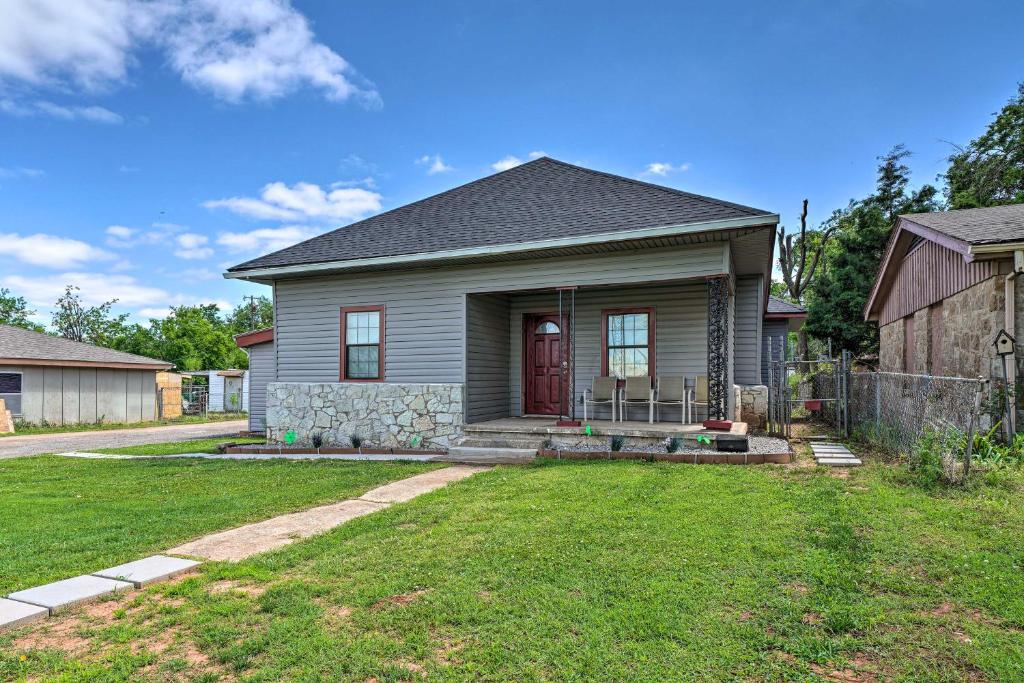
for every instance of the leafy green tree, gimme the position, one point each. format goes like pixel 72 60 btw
pixel 254 314
pixel 14 311
pixel 196 338
pixel 92 324
pixel 990 170
pixel 854 254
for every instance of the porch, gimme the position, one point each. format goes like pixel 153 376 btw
pixel 535 354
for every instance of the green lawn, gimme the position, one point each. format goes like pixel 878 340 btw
pixel 23 429
pixel 614 571
pixel 65 516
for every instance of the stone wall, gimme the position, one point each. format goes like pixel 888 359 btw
pixel 754 406
pixel 970 321
pixel 382 414
pixel 890 352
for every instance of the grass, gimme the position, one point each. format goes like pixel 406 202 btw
pixel 618 571
pixel 67 516
pixel 24 428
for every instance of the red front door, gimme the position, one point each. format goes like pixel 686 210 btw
pixel 543 363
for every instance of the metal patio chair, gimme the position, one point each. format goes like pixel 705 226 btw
pixel 671 391
pixel 602 392
pixel 637 391
pixel 700 394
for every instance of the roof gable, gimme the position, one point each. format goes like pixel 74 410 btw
pixel 988 225
pixel 540 200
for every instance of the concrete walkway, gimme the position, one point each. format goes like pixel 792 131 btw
pixel 36 444
pixel 248 540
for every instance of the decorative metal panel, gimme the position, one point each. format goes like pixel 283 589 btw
pixel 718 347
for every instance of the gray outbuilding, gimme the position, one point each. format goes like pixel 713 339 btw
pixel 262 371
pixel 59 381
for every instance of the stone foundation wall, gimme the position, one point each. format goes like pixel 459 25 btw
pixel 381 414
pixel 754 406
pixel 890 343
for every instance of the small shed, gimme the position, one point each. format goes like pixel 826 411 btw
pixel 780 318
pixel 59 381
pixel 228 390
pixel 262 371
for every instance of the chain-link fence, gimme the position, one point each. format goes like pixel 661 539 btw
pixel 896 410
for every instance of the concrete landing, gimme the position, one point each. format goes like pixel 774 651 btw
pixel 492 455
pixel 60 595
pixel 149 570
pixel 834 455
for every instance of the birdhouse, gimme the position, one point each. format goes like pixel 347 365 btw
pixel 1004 343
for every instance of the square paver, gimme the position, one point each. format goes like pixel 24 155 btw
pixel 148 570
pixel 14 613
pixel 63 594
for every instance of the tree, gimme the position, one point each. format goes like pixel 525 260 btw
pixel 93 324
pixel 14 311
pixel 853 256
pixel 196 338
pixel 990 170
pixel 797 272
pixel 255 314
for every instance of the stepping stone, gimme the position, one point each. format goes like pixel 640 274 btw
pixel 840 462
pixel 14 613
pixel 148 570
pixel 63 594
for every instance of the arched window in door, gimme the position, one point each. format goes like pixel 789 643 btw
pixel 547 327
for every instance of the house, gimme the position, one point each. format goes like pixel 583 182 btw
pixel 946 287
pixel 259 346
pixel 780 318
pixel 226 391
pixel 505 297
pixel 59 381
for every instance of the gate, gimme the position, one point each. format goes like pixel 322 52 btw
pixel 809 390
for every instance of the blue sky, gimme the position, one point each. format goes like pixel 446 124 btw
pixel 144 147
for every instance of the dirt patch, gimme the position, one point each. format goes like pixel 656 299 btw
pixel 844 675
pixel 400 599
pixel 944 608
pixel 798 588
pixel 59 634
pixel 745 616
pixel 811 618
pixel 232 586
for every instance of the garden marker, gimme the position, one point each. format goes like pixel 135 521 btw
pixel 588 431
pixel 289 437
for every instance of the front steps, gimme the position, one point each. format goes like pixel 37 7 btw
pixel 490 455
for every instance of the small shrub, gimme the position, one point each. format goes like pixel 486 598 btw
pixel 356 441
pixel 317 440
pixel 547 445
pixel 674 444
pixel 617 443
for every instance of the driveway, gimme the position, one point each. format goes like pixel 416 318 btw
pixel 34 444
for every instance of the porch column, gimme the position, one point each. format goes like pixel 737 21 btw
pixel 718 347
pixel 567 318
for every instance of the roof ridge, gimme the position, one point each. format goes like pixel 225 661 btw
pixel 754 211
pixel 64 340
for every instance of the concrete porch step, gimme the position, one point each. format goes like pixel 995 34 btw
pixel 489 455
pixel 523 441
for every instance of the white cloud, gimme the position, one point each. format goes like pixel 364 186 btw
pixel 302 202
pixel 50 251
pixel 124 237
pixel 20 172
pixel 236 50
pixel 190 246
pixel 266 239
pixel 511 161
pixel 662 169
pixel 95 289
pixel 434 163
pixel 369 182
pixel 59 111
pixel 197 274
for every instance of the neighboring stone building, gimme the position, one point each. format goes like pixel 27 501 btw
pixel 946 288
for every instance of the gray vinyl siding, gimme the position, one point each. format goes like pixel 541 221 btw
pixel 66 395
pixel 680 320
pixel 747 330
pixel 773 344
pixel 487 356
pixel 425 309
pixel 261 373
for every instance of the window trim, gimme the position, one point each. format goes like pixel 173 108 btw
pixel 21 393
pixel 342 337
pixel 651 336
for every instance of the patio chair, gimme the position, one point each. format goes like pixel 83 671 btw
pixel 637 391
pixel 672 392
pixel 700 394
pixel 602 392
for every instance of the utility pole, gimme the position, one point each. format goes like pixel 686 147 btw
pixel 253 311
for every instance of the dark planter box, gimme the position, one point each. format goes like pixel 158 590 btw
pixel 732 443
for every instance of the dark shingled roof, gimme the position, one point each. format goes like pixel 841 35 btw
pixel 783 307
pixel 990 225
pixel 541 199
pixel 19 344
